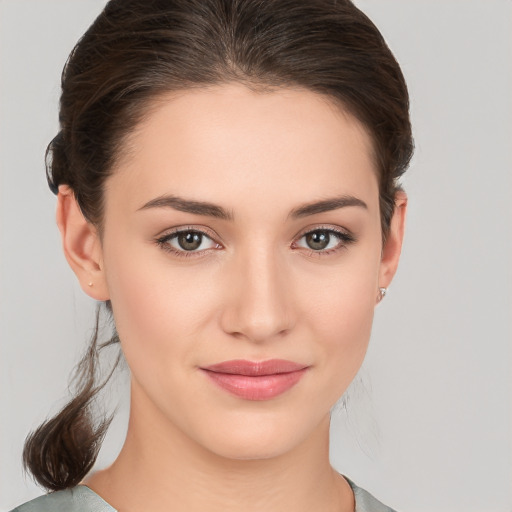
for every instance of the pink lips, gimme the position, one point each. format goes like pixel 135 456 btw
pixel 260 380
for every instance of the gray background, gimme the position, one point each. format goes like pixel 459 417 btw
pixel 429 423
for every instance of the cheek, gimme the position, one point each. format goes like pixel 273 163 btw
pixel 137 291
pixel 160 309
pixel 345 326
pixel 342 316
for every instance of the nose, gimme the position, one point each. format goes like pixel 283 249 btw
pixel 258 306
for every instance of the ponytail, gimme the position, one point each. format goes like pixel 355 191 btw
pixel 61 451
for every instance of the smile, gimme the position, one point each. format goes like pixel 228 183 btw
pixel 256 380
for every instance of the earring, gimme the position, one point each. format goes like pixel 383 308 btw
pixel 90 284
pixel 382 294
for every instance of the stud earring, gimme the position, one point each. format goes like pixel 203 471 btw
pixel 382 294
pixel 90 284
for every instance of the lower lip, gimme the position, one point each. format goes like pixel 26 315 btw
pixel 261 387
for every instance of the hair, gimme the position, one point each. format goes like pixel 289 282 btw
pixel 138 50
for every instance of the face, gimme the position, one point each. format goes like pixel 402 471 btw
pixel 243 320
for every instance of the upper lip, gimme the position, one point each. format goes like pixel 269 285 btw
pixel 255 368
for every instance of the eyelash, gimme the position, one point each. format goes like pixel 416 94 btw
pixel 344 237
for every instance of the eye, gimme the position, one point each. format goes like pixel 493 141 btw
pixel 323 241
pixel 186 242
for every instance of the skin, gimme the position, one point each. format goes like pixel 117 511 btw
pixel 254 290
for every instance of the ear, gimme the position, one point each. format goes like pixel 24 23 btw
pixel 81 244
pixel 393 245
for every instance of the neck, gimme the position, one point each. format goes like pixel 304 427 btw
pixel 164 467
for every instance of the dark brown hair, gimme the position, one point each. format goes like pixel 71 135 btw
pixel 139 49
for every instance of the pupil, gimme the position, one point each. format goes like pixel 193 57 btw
pixel 189 240
pixel 318 239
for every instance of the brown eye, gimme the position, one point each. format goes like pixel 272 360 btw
pixel 325 241
pixel 189 240
pixel 318 240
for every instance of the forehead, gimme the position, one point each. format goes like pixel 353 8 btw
pixel 228 142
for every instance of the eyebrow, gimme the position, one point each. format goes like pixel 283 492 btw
pixel 212 210
pixel 189 206
pixel 326 205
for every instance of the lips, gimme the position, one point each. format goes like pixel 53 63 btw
pixel 259 380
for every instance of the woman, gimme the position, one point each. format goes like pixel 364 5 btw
pixel 227 184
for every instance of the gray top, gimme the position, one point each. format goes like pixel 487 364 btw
pixel 83 499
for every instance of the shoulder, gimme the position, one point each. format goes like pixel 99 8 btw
pixel 76 499
pixel 365 502
pixel 83 499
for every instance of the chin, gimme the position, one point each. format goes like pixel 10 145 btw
pixel 254 449
pixel 261 438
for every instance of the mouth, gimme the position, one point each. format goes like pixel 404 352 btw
pixel 259 380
